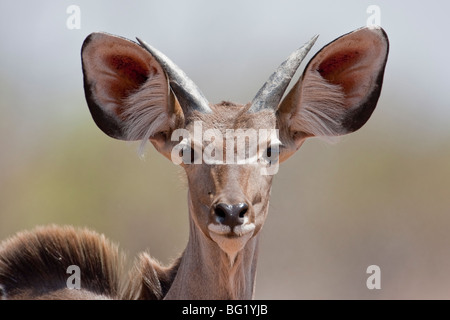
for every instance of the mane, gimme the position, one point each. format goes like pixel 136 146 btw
pixel 148 280
pixel 33 264
pixel 227 104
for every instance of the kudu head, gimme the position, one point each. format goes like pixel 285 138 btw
pixel 230 152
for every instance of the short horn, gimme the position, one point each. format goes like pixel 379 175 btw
pixel 188 94
pixel 270 94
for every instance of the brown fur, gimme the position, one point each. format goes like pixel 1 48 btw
pixel 33 264
pixel 336 94
pixel 148 280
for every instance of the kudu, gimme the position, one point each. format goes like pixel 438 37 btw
pixel 134 92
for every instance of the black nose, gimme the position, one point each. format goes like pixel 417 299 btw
pixel 230 214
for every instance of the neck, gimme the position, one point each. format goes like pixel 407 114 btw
pixel 206 272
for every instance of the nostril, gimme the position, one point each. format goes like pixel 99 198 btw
pixel 220 212
pixel 243 210
pixel 230 215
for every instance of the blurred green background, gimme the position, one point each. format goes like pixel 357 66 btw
pixel 379 196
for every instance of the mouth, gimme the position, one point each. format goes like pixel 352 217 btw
pixel 228 232
pixel 231 240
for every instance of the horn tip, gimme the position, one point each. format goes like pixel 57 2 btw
pixel 313 40
pixel 146 46
pixel 141 42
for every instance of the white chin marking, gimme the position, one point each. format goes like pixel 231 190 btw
pixel 219 228
pixel 231 242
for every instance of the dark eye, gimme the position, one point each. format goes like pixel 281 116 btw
pixel 271 155
pixel 188 154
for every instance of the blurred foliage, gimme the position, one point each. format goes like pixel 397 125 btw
pixel 84 178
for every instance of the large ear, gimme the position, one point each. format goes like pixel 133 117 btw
pixel 338 90
pixel 126 88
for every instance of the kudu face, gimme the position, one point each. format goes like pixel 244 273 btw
pixel 134 92
pixel 229 194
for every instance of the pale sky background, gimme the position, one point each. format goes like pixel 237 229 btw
pixel 229 48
